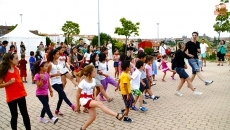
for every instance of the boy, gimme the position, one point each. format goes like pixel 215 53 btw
pixel 32 62
pixel 135 81
pixel 22 67
pixel 142 56
pixel 125 89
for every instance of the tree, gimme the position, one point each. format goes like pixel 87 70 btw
pixel 13 27
pixel 128 28
pixel 70 28
pixel 103 37
pixel 222 19
pixel 119 45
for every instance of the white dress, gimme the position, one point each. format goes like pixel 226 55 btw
pixel 87 88
pixel 110 51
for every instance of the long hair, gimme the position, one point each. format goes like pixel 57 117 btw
pixel 37 66
pixel 5 65
pixel 92 58
pixel 51 54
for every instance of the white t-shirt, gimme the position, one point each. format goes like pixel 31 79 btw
pixel 62 60
pixel 87 88
pixel 136 79
pixel 87 57
pixel 162 50
pixel 54 70
pixel 203 47
pixel 109 46
pixel 103 68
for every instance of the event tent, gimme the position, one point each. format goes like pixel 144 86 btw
pixel 21 33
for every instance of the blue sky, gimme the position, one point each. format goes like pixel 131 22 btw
pixel 176 17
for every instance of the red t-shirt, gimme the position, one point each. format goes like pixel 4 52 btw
pixel 22 64
pixel 15 90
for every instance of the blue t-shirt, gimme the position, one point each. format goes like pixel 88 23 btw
pixel 32 61
pixel 2 51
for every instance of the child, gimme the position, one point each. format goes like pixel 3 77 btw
pixel 122 58
pixel 15 91
pixel 154 66
pixel 116 58
pixel 88 54
pixel 22 67
pixel 103 76
pixel 85 97
pixel 32 61
pixel 125 89
pixel 173 64
pixel 55 71
pixel 47 50
pixel 132 63
pixel 165 68
pixel 135 82
pixel 43 84
pixel 148 70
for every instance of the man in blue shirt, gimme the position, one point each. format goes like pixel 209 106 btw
pixel 3 49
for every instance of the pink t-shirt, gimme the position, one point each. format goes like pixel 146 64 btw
pixel 149 68
pixel 44 89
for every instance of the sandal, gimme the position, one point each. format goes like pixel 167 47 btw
pixel 110 100
pixel 118 114
pixel 82 129
pixel 85 111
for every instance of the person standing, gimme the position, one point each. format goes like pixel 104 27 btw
pixel 110 50
pixel 203 51
pixel 3 49
pixel 191 49
pixel 221 48
pixel 162 48
pixel 22 48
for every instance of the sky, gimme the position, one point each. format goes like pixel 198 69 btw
pixel 175 17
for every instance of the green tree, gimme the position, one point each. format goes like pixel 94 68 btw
pixel 128 29
pixel 103 37
pixel 13 27
pixel 119 46
pixel 222 19
pixel 70 29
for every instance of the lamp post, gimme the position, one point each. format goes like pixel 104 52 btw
pixel 98 23
pixel 158 31
pixel 21 17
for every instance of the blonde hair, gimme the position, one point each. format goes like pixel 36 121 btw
pixel 86 71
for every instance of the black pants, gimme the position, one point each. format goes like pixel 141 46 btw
pixel 221 57
pixel 21 103
pixel 61 94
pixel 46 108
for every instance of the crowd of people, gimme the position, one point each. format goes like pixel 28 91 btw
pixel 134 77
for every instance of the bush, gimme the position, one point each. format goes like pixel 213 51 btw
pixel 211 56
pixel 149 51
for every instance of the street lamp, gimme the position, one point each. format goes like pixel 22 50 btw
pixel 158 31
pixel 98 23
pixel 21 17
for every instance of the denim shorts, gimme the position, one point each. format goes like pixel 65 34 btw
pixel 181 72
pixel 194 63
pixel 115 64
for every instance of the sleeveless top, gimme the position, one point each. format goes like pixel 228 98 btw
pixel 54 70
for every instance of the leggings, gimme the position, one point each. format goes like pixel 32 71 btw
pixel 62 95
pixel 46 108
pixel 21 103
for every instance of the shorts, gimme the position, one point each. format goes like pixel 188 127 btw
pixel 194 63
pixel 32 72
pixel 128 103
pixel 98 83
pixel 142 87
pixel 115 64
pixel 23 73
pixel 182 73
pixel 64 73
pixel 203 55
pixel 136 92
pixel 87 104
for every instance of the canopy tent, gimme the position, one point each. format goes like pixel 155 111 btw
pixel 22 34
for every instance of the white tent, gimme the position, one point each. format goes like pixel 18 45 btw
pixel 21 33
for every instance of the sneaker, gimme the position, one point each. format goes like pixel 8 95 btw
pixel 102 98
pixel 42 120
pixel 178 93
pixel 208 82
pixel 156 98
pixel 197 93
pixel 147 97
pixel 54 120
pixel 128 120
pixel 58 113
pixel 134 108
pixel 142 109
pixel 144 102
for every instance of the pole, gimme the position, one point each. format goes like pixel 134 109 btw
pixel 98 23
pixel 158 31
pixel 21 17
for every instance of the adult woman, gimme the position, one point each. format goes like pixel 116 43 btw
pixel 180 69
pixel 22 48
pixel 221 51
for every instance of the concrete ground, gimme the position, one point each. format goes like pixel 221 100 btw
pixel 210 111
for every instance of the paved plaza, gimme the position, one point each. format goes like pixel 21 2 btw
pixel 210 111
